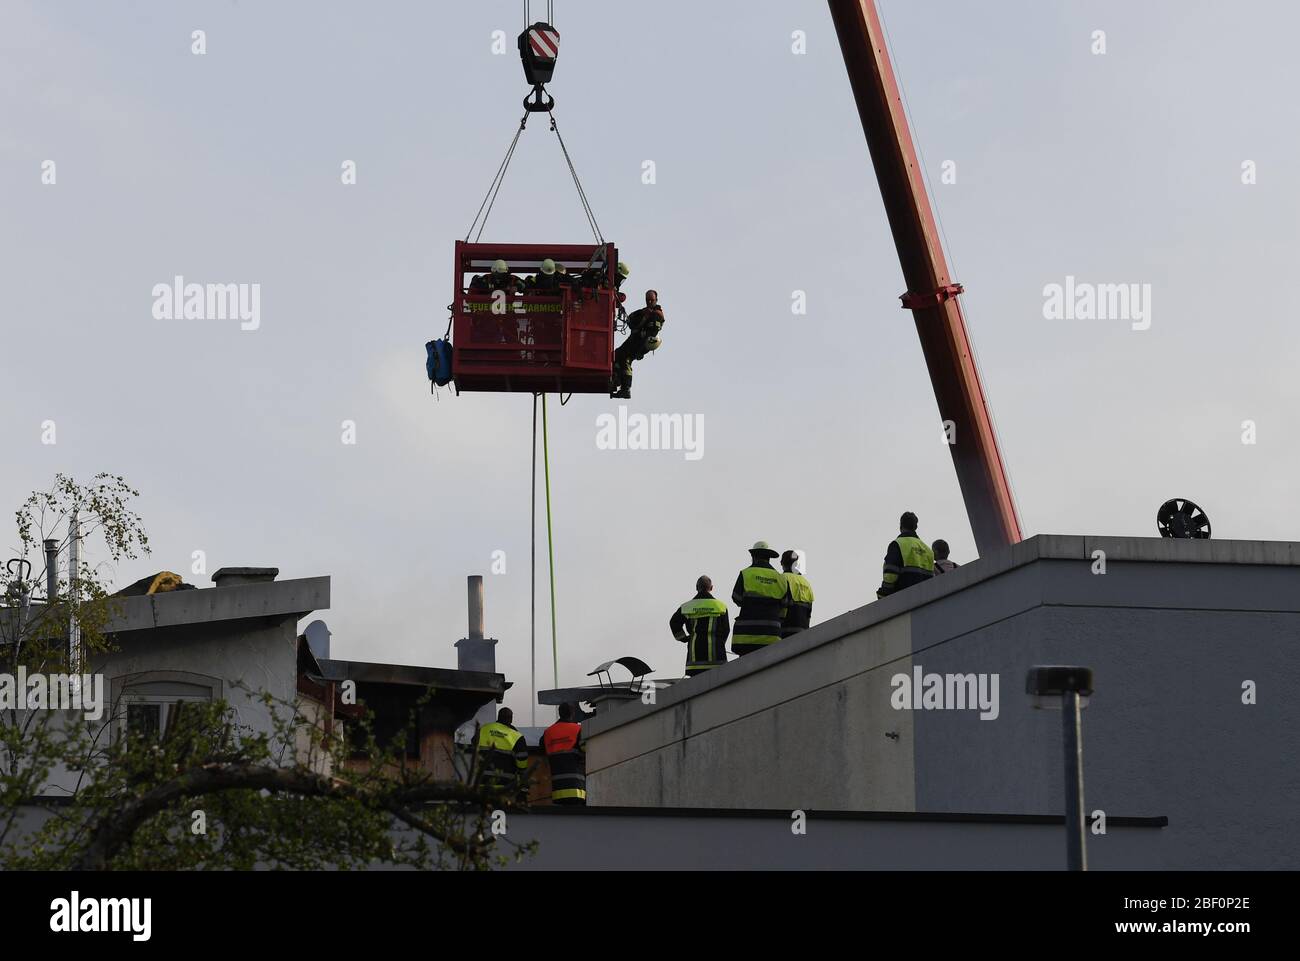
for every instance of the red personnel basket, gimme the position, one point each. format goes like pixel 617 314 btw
pixel 554 341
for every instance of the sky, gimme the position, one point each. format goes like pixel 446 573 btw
pixel 1167 161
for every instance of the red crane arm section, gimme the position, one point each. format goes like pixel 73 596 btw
pixel 931 292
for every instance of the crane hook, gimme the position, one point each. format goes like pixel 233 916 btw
pixel 534 102
pixel 539 48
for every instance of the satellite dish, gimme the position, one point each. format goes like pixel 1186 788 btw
pixel 1181 518
pixel 318 639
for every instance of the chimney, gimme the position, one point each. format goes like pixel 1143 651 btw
pixel 476 652
pixel 51 570
pixel 235 576
pixel 74 575
pixel 476 607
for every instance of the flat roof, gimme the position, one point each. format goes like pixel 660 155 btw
pixel 442 678
pixel 264 599
pixel 1078 549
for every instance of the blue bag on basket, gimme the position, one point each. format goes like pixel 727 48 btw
pixel 438 362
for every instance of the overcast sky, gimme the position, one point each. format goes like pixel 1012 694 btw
pixel 819 428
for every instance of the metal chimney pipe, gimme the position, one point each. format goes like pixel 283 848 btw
pixel 476 652
pixel 51 570
pixel 476 607
pixel 74 589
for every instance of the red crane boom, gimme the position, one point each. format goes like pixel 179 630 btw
pixel 931 293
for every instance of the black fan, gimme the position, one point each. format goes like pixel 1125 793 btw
pixel 1181 518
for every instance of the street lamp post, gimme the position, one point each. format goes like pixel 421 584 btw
pixel 1067 689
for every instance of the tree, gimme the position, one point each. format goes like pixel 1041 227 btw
pixel 208 792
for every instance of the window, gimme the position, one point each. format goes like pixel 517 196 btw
pixel 146 704
pixel 144 719
pixel 151 717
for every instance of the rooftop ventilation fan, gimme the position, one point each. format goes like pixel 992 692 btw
pixel 1181 518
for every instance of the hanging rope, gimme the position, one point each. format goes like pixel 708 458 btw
pixel 532 527
pixel 550 546
pixel 582 194
pixel 495 188
pixel 550 555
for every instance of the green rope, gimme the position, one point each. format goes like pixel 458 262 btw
pixel 532 568
pixel 550 546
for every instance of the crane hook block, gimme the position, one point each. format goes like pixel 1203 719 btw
pixel 539 46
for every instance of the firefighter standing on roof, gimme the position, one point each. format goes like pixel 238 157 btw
pixel 568 758
pixel 702 624
pixel 799 600
pixel 503 756
pixel 760 594
pixel 942 563
pixel 908 559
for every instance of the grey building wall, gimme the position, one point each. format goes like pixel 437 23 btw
pixel 644 840
pixel 241 640
pixel 242 636
pixel 262 657
pixel 1172 630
